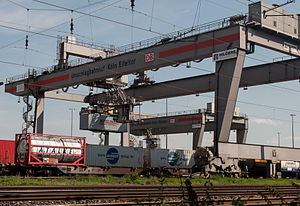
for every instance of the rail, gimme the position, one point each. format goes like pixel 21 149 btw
pixel 192 195
pixel 173 36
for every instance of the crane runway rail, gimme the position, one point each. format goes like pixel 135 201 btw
pixel 144 194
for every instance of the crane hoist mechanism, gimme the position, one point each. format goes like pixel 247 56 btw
pixel 151 141
pixel 114 103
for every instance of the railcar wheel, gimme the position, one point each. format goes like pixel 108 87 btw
pixel 47 172
pixel 29 172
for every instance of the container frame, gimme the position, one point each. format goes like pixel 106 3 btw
pixel 31 159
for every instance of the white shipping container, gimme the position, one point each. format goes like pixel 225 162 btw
pixel 171 158
pixel 290 166
pixel 114 156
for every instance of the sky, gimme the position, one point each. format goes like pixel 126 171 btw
pixel 268 107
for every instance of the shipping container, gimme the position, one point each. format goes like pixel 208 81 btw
pixel 7 151
pixel 47 149
pixel 290 166
pixel 100 122
pixel 114 156
pixel 171 158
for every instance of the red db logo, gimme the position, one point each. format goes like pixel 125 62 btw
pixel 149 57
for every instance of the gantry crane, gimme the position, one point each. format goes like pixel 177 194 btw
pixel 227 41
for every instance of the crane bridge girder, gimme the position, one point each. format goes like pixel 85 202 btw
pixel 199 46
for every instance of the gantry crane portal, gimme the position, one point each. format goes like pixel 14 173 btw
pixel 227 41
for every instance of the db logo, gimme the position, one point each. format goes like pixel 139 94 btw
pixel 149 57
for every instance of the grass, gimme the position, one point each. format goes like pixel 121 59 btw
pixel 136 179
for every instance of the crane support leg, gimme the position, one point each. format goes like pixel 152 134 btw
pixel 125 137
pixel 198 133
pixel 39 115
pixel 198 137
pixel 241 134
pixel 228 74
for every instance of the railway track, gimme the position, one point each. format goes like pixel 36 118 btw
pixel 151 194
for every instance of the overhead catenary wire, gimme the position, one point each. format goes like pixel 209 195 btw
pixel 98 17
pixel 132 18
pixel 151 18
pixel 15 3
pixel 197 14
pixel 223 6
pixel 23 65
pixel 72 24
pixel 43 9
pixel 112 4
pixel 36 27
pixel 24 30
pixel 26 37
pixel 91 23
pixel 48 29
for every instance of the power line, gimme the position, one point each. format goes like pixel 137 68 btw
pixel 98 17
pixel 23 65
pixel 197 14
pixel 152 11
pixel 223 6
pixel 37 27
pixel 23 30
pixel 48 29
pixel 151 17
pixel 17 4
pixel 24 7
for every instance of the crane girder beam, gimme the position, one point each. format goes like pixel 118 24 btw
pixel 168 53
pixel 251 76
pixel 272 40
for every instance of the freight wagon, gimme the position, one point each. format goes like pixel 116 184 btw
pixel 7 151
pixel 248 160
pixel 7 156
pixel 179 162
pixel 130 160
pixel 43 154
